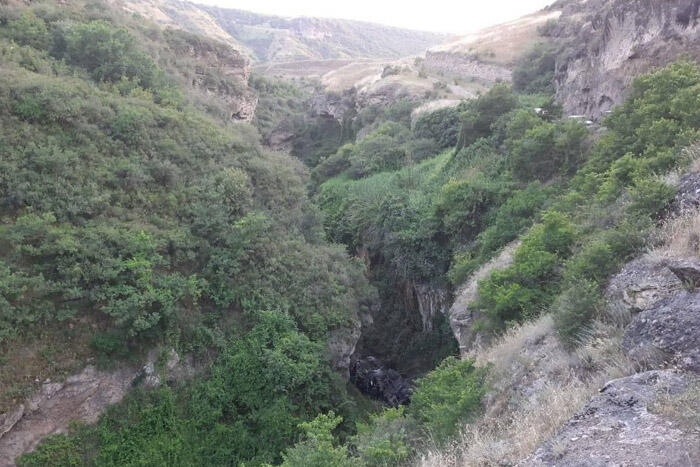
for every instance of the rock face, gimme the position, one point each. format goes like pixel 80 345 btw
pixel 688 197
pixel 220 71
pixel 688 272
pixel 82 397
pixel 667 334
pixel 462 315
pixel 609 42
pixel 428 300
pixel 341 347
pixel 641 284
pixel 336 106
pixel 374 379
pixel 619 427
pixel 451 63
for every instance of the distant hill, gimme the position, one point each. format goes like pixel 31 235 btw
pixel 267 38
pixel 273 38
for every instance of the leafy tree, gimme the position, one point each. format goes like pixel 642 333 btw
pixel 317 449
pixel 29 30
pixel 109 53
pixel 534 72
pixel 447 396
pixel 441 126
pixel 483 112
pixel 547 150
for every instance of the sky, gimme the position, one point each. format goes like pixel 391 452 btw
pixel 447 16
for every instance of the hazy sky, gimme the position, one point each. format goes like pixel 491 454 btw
pixel 452 16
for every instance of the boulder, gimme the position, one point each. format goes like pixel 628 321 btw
pixel 628 424
pixel 688 272
pixel 641 284
pixel 666 334
pixel 374 379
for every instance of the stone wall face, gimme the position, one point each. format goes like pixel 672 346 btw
pixel 456 64
pixel 609 43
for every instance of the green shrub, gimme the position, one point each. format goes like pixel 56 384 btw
pixel 547 150
pixel 441 126
pixel 534 72
pixel 29 30
pixel 595 262
pixel 384 440
pixel 60 449
pixel 650 197
pixel 526 287
pixel 109 54
pixel 317 449
pixel 463 205
pixel 448 396
pixel 575 308
pixel 512 217
pixel 483 112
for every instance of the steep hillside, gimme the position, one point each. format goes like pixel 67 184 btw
pixel 275 39
pixel 267 38
pixel 180 15
pixel 378 263
pixel 143 223
pixel 489 54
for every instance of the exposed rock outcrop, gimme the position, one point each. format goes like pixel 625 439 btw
pixel 338 106
pixel 620 427
pixel 667 334
pixel 219 71
pixel 341 347
pixel 463 65
pixel 687 271
pixel 641 284
pixel 610 42
pixel 462 315
pixel 428 300
pixel 688 197
pixel 82 397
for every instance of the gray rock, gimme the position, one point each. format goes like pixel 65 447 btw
pixel 641 284
pixel 688 272
pixel 688 197
pixel 341 346
pixel 607 43
pixel 621 427
pixel 462 314
pixel 668 333
pixel 82 397
pixel 376 380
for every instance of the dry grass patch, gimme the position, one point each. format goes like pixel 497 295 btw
pixel 678 238
pixel 683 409
pixel 536 387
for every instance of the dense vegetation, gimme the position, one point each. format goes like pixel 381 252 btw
pixel 126 207
pixel 130 205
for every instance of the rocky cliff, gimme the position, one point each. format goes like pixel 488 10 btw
pixel 218 71
pixel 610 42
